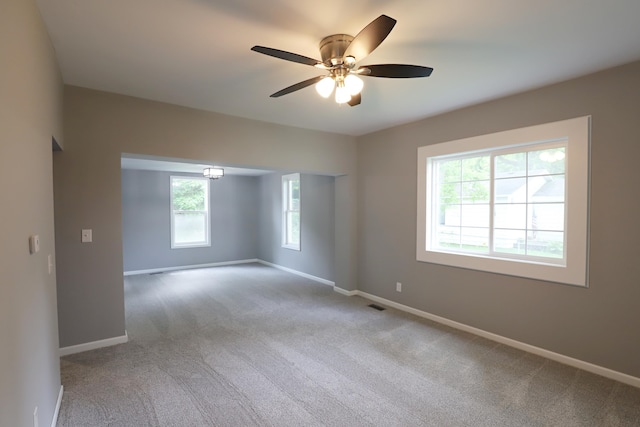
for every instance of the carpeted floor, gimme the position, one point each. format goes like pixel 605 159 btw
pixel 254 346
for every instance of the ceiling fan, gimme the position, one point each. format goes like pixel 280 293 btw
pixel 340 54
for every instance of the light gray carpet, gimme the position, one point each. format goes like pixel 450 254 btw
pixel 254 346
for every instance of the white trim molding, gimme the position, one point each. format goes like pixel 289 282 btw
pixel 54 421
pixel 561 358
pixel 189 267
pixel 346 292
pixel 298 273
pixel 65 351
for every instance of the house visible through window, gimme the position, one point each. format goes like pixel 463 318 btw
pixel 515 202
pixel 291 211
pixel 189 212
pixel 506 202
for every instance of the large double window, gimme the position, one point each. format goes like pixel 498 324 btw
pixel 515 202
pixel 189 212
pixel 291 211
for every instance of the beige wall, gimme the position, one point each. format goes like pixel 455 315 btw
pixel 598 324
pixel 98 128
pixel 30 114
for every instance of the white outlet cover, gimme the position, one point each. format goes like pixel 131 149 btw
pixel 87 236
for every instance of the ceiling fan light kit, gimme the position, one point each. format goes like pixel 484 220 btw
pixel 340 53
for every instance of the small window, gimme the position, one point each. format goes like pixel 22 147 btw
pixel 189 212
pixel 515 202
pixel 291 211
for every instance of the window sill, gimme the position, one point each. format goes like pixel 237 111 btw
pixel 292 247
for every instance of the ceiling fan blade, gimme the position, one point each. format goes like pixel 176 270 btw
pixel 398 71
pixel 297 86
pixel 370 37
pixel 355 100
pixel 287 56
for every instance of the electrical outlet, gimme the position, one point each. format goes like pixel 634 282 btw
pixel 398 287
pixel 87 236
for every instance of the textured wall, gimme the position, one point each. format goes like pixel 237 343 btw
pixel 316 254
pixel 30 114
pixel 598 324
pixel 146 221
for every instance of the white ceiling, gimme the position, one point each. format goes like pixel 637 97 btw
pixel 197 52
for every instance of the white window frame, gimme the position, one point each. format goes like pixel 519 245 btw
pixel 286 209
pixel 202 244
pixel 574 269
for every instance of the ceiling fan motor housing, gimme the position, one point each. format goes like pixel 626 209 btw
pixel 332 48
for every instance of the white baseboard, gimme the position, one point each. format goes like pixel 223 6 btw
pixel 65 351
pixel 345 292
pixel 576 363
pixel 189 267
pixel 54 421
pixel 299 273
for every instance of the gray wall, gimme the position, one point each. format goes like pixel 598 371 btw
pixel 100 126
pixel 316 254
pixel 374 218
pixel 30 114
pixel 598 324
pixel 146 221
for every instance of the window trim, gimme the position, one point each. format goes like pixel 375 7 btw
pixel 207 212
pixel 577 133
pixel 285 205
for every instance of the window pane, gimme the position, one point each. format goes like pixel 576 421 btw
pixel 474 240
pixel 190 228
pixel 188 194
pixel 511 165
pixel 545 162
pixel 512 190
pixel 450 193
pixel 510 241
pixel 294 194
pixel 449 170
pixel 476 168
pixel 293 227
pixel 547 217
pixel 450 215
pixel 476 192
pixel 510 216
pixel 548 188
pixel 475 216
pixel 547 244
pixel 447 237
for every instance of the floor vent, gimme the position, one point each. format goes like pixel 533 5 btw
pixel 157 272
pixel 377 307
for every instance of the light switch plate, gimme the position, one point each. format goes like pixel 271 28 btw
pixel 34 244
pixel 87 236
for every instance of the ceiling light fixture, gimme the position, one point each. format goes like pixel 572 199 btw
pixel 213 173
pixel 345 87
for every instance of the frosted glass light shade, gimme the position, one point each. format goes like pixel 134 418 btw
pixel 213 173
pixel 354 84
pixel 325 86
pixel 342 94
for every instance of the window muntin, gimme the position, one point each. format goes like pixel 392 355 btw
pixel 189 212
pixel 513 204
pixel 507 203
pixel 291 211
